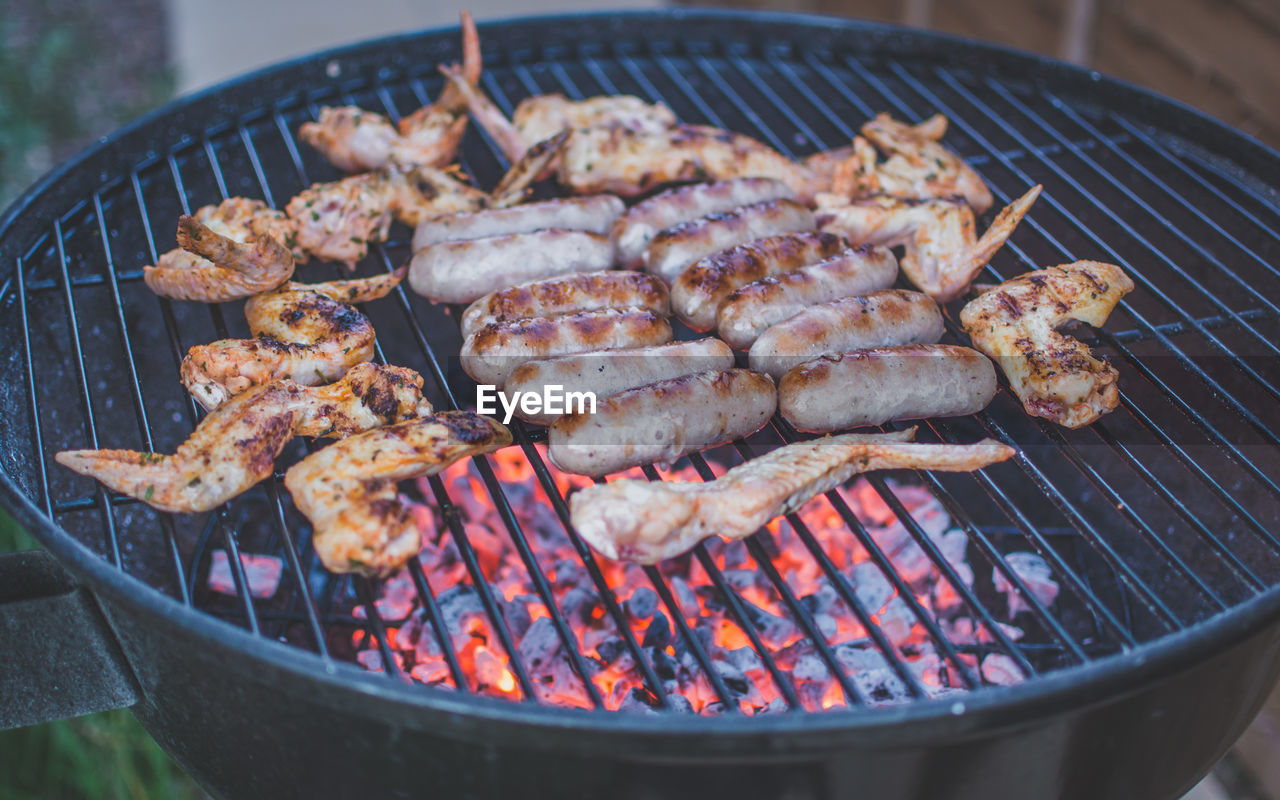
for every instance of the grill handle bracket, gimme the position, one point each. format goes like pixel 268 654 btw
pixel 58 656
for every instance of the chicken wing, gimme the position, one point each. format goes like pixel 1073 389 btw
pixel 348 490
pixel 305 332
pixel 356 140
pixel 1055 376
pixel 223 268
pixel 646 522
pixel 918 165
pixel 943 251
pixel 235 447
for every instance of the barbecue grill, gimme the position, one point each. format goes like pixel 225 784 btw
pixel 1158 524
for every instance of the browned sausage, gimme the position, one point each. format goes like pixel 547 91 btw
pixel 879 384
pixel 700 289
pixel 579 291
pixel 674 249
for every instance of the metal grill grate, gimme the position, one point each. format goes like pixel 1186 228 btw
pixel 1158 517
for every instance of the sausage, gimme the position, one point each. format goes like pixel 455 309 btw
pixel 460 272
pixel 579 291
pixel 700 289
pixel 594 214
pixel 850 323
pixel 635 228
pixel 749 311
pixel 607 372
pixel 491 353
pixel 662 421
pixel 879 384
pixel 674 249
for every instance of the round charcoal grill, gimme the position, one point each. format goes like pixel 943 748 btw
pixel 1158 524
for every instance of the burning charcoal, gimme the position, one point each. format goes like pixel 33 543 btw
pixel 639 700
pixel 1001 670
pixel 262 573
pixel 610 649
pixel 787 657
pixel 733 678
pixel 871 586
pixel 821 601
pixel 734 554
pixel 372 660
pixel 516 614
pixel 712 598
pixel 430 672
pixel 773 629
pixel 745 659
pixel 539 645
pixel 775 706
pixel 578 604
pixel 658 634
pixel 569 574
pixel 811 668
pixel 642 603
pixel 953 544
pixel 679 704
pixel 716 708
pixel 811 695
pixel 664 664
pixel 685 598
pixel 897 621
pixel 871 673
pixel 458 606
pixel 1034 572
pixel 741 578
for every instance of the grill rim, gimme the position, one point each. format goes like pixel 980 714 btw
pixel 1111 676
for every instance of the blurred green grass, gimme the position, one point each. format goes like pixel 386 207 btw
pixel 105 755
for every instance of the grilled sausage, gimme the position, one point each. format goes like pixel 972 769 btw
pixel 749 311
pixel 608 372
pixel 700 289
pixel 491 353
pixel 460 272
pixel 594 214
pixel 674 249
pixel 579 291
pixel 662 421
pixel 879 384
pixel 635 228
pixel 850 323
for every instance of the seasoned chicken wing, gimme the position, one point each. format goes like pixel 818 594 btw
pixel 223 268
pixel 337 221
pixel 305 332
pixel 943 251
pixel 356 140
pixel 348 490
pixel 646 522
pixel 183 274
pixel 918 165
pixel 1055 376
pixel 235 447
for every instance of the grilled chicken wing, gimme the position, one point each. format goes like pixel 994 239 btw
pixel 223 268
pixel 348 490
pixel 1055 376
pixel 943 251
pixel 646 522
pixel 186 275
pixel 305 332
pixel 356 140
pixel 918 166
pixel 235 447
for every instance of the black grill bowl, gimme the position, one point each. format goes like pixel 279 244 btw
pixel 1160 521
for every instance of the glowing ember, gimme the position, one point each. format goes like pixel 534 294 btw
pixel 696 601
pixel 262 573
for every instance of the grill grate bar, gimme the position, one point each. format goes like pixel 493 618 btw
pixel 365 592
pixel 33 405
pixel 922 539
pixel 520 541
pixel 1183 358
pixel 139 406
pixel 740 616
pixel 1142 136
pixel 607 595
pixel 1182 273
pixel 220 327
pixel 1133 359
pixel 1164 189
pixel 112 535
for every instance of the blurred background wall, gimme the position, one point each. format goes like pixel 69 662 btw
pixel 72 70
